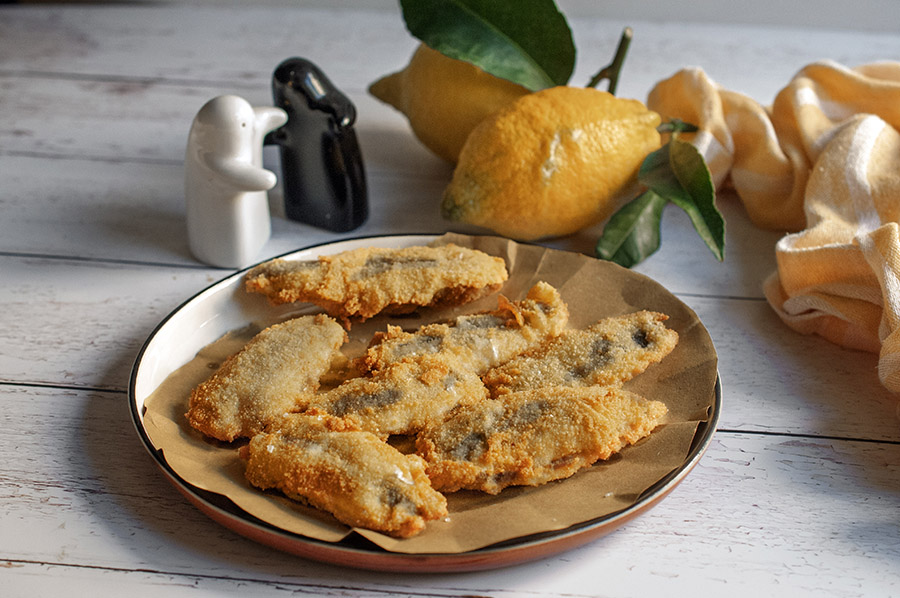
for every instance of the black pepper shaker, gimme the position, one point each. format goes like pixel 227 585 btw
pixel 321 163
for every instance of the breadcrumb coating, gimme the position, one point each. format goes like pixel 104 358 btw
pixel 613 350
pixel 261 382
pixel 476 342
pixel 360 283
pixel 329 464
pixel 533 437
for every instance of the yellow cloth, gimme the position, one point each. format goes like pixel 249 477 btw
pixel 824 160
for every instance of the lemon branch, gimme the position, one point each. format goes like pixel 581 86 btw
pixel 612 70
pixel 675 126
pixel 676 173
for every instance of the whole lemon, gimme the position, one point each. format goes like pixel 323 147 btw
pixel 551 163
pixel 444 98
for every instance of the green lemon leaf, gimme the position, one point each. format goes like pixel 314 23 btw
pixel 699 194
pixel 632 233
pixel 527 41
pixel 678 172
pixel 656 171
pixel 675 173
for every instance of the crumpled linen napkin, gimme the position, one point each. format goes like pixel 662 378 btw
pixel 822 163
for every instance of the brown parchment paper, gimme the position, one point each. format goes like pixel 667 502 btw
pixel 593 289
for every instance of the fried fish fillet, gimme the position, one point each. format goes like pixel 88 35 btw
pixel 260 382
pixel 361 283
pixel 475 342
pixel 611 351
pixel 400 399
pixel 411 380
pixel 533 437
pixel 331 465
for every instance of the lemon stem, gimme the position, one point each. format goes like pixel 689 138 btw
pixel 675 126
pixel 612 70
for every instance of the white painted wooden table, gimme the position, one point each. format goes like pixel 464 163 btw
pixel 799 494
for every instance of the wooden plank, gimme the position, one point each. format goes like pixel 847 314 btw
pixel 148 122
pixel 774 379
pixel 32 579
pixel 135 211
pixel 58 329
pixel 864 15
pixel 79 493
pixel 186 44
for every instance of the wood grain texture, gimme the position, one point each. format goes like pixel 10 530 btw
pixel 798 494
pixel 92 499
pixel 774 379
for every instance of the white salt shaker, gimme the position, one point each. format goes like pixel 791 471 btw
pixel 224 182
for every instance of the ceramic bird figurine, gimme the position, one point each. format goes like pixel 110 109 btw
pixel 225 184
pixel 323 178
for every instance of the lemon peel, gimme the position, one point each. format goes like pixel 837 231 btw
pixel 551 163
pixel 444 98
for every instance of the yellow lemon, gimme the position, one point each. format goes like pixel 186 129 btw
pixel 551 163
pixel 444 98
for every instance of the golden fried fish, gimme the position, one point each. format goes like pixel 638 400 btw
pixel 475 342
pixel 611 351
pixel 530 438
pixel 400 399
pixel 361 283
pixel 260 382
pixel 362 481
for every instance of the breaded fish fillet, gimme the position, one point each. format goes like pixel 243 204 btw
pixel 611 351
pixel 260 382
pixel 361 283
pixel 413 379
pixel 400 399
pixel 530 438
pixel 362 481
pixel 475 342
